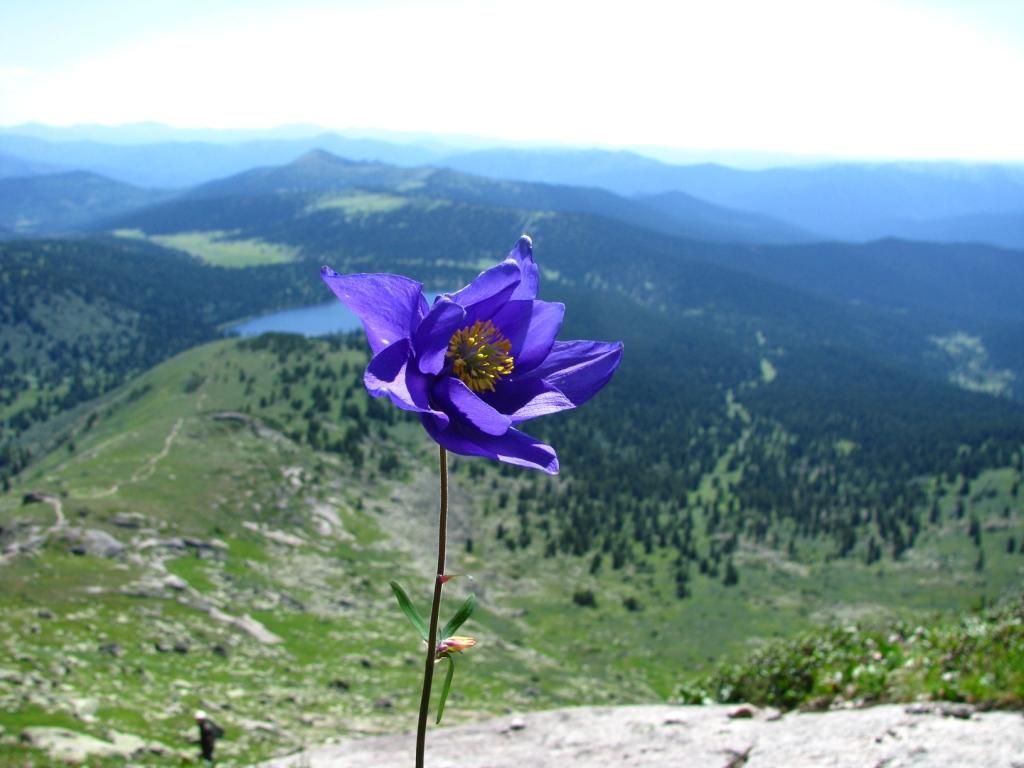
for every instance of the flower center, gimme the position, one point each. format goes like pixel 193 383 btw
pixel 481 355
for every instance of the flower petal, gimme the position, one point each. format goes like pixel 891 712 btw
pixel 525 400
pixel 489 291
pixel 580 368
pixel 388 305
pixel 455 644
pixel 522 253
pixel 514 447
pixel 434 333
pixel 455 395
pixel 530 327
pixel 390 374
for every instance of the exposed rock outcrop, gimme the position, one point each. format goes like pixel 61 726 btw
pixel 665 736
pixel 92 541
pixel 74 747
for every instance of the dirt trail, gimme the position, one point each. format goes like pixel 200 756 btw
pixel 146 470
pixel 58 510
pixel 704 737
pixel 36 540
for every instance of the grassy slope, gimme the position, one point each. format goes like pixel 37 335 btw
pixel 155 448
pixel 218 248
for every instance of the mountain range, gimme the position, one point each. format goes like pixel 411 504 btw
pixel 854 201
pixel 44 204
pixel 846 201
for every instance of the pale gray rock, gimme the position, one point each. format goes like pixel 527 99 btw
pixel 129 520
pixel 668 737
pixel 172 542
pixel 257 726
pixel 85 708
pixel 963 711
pixel 173 582
pixel 92 541
pixel 163 645
pixel 63 744
pixel 204 547
pixel 920 708
pixel 73 747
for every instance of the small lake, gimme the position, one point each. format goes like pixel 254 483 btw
pixel 320 320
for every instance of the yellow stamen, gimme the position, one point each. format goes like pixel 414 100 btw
pixel 480 355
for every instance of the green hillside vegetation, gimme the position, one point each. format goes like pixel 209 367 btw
pixel 978 659
pixel 952 291
pixel 254 477
pixel 78 318
pixel 219 249
pixel 356 203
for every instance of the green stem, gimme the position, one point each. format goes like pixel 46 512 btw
pixel 435 609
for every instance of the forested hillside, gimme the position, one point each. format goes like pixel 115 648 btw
pixel 78 318
pixel 721 367
pixel 58 203
pixel 233 516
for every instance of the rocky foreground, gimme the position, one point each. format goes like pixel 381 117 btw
pixel 893 736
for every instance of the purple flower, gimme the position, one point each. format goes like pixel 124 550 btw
pixel 480 361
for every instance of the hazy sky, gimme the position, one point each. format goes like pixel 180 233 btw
pixel 864 78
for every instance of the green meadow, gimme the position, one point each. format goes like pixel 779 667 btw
pixel 218 248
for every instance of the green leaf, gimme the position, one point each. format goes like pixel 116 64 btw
pixel 459 618
pixel 409 610
pixel 445 688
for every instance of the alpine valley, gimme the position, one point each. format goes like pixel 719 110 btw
pixel 817 426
